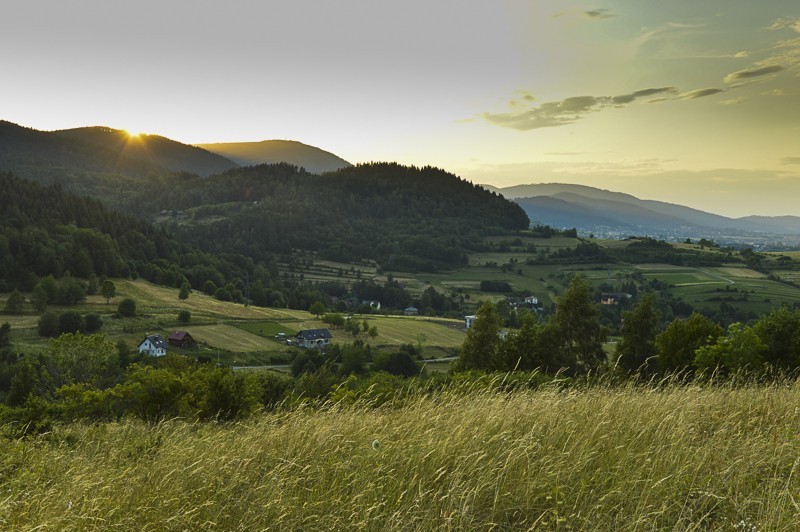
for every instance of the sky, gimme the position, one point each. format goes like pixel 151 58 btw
pixel 686 101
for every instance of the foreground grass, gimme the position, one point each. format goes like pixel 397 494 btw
pixel 680 458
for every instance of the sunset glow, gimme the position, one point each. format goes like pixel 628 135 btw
pixel 688 102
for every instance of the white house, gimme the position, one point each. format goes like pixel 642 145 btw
pixel 153 345
pixel 532 301
pixel 469 321
pixel 319 338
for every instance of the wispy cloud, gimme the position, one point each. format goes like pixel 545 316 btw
pixel 599 13
pixel 792 23
pixel 753 73
pixel 733 101
pixel 790 160
pixel 701 93
pixel 566 111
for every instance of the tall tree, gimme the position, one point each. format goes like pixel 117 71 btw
pixel 108 290
pixel 317 308
pixel 479 348
pixel 636 349
pixel 577 320
pixel 185 290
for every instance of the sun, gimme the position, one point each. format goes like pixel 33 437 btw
pixel 133 134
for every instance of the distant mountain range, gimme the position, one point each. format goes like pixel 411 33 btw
pixel 74 154
pixel 314 160
pixel 597 210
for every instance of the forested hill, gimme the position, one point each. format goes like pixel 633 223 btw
pixel 99 161
pixel 47 231
pixel 154 149
pixel 405 218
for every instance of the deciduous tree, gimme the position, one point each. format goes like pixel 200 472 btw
pixel 636 349
pixel 577 322
pixel 483 338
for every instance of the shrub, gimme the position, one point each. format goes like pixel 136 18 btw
pixel 92 322
pixel 70 322
pixel 48 324
pixel 127 308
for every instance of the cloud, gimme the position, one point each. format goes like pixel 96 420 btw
pixel 790 160
pixel 792 23
pixel 742 54
pixel 753 73
pixel 566 111
pixel 732 101
pixel 599 13
pixel 549 114
pixel 701 93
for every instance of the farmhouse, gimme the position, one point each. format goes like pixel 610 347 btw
pixel 153 345
pixel 319 338
pixel 181 339
pixel 531 301
pixel 469 321
pixel 411 311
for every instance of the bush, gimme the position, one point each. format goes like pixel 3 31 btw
pixel 127 308
pixel 48 324
pixel 70 322
pixel 184 316
pixel 92 322
pixel 399 363
pixel 495 286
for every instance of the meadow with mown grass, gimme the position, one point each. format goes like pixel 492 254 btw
pixel 630 457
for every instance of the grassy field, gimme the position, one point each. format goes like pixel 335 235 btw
pixel 705 288
pixel 631 458
pixel 244 334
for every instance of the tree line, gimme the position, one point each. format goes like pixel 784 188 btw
pixel 571 341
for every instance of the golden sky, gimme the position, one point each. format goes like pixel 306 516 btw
pixel 691 102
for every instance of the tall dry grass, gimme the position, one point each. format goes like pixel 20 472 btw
pixel 624 458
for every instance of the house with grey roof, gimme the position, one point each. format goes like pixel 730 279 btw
pixel 318 338
pixel 153 345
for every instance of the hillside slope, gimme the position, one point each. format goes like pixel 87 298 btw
pixel 313 159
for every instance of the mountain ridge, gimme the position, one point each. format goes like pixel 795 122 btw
pixel 631 212
pixel 314 160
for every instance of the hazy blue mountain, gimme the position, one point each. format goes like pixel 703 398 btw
pixel 777 224
pixel 547 210
pixel 589 207
pixel 313 159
